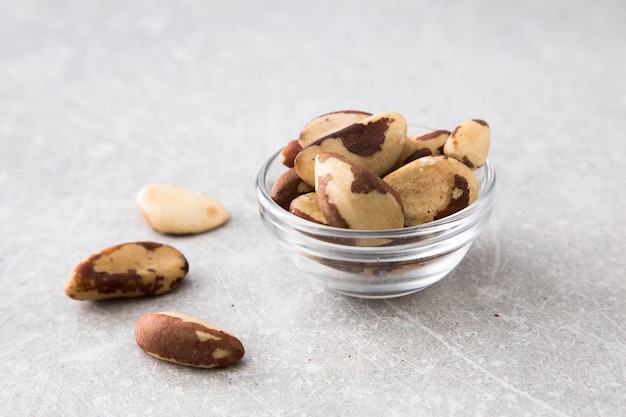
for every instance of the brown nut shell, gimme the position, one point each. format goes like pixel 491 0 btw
pixel 133 269
pixel 289 153
pixel 373 143
pixel 176 337
pixel 433 187
pixel 287 187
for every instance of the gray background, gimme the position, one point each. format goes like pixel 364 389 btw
pixel 99 98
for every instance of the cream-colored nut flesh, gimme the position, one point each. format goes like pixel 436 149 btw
pixel 306 206
pixel 179 338
pixel 172 209
pixel 352 197
pixel 423 144
pixel 433 187
pixel 373 143
pixel 469 143
pixel 128 270
pixel 328 123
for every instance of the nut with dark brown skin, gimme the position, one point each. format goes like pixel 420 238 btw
pixel 133 269
pixel 329 123
pixel 433 187
pixel 287 187
pixel 306 206
pixel 373 143
pixel 289 153
pixel 176 337
pixel 423 144
pixel 469 143
pixel 352 197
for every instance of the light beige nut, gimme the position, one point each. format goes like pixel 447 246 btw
pixel 328 123
pixel 172 209
pixel 289 153
pixel 287 187
pixel 423 144
pixel 469 143
pixel 306 206
pixel 176 337
pixel 352 197
pixel 132 269
pixel 433 187
pixel 373 143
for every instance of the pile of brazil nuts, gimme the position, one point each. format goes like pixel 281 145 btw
pixel 357 170
pixel 145 268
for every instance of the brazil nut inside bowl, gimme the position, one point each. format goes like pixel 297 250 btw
pixel 381 263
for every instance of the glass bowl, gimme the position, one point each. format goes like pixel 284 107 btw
pixel 376 263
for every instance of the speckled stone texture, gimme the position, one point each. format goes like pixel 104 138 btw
pixel 99 98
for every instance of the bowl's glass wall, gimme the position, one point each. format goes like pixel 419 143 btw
pixel 376 264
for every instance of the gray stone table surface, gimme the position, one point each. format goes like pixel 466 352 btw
pixel 99 98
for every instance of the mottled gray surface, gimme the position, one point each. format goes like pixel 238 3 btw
pixel 98 98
